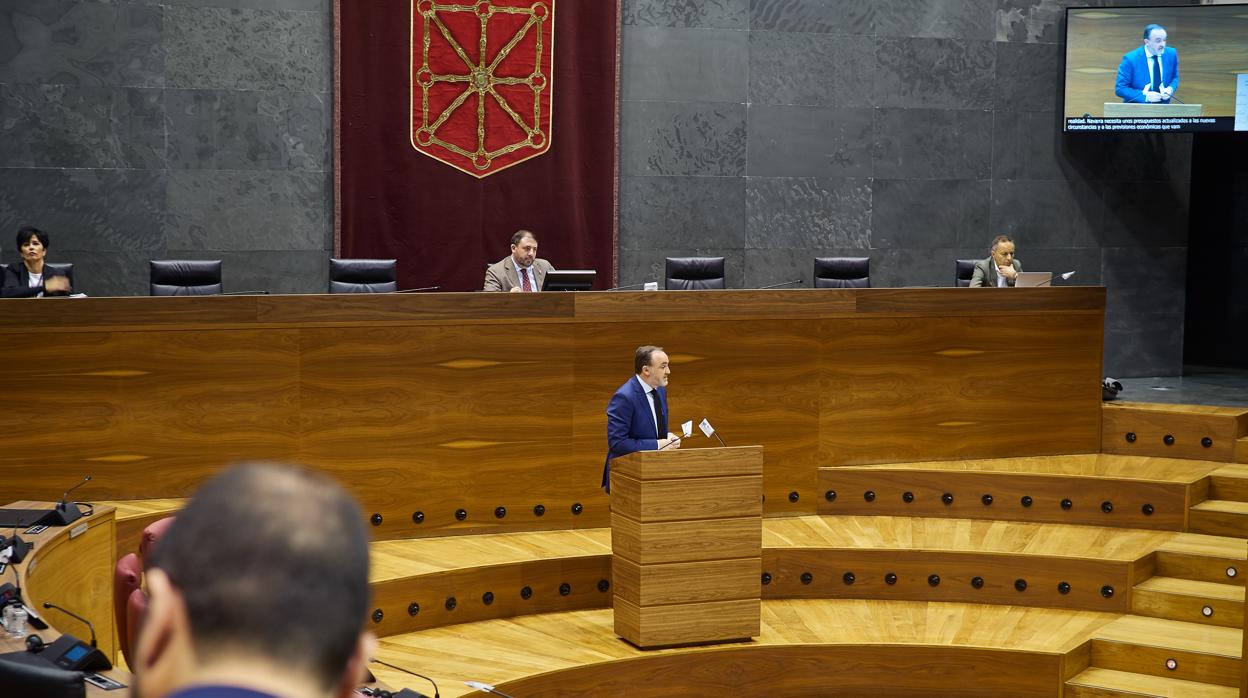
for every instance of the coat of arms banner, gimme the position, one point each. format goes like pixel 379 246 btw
pixel 458 123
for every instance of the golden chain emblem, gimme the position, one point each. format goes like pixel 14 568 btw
pixel 480 79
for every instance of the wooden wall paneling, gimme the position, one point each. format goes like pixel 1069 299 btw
pixel 954 572
pixel 1047 492
pixel 438 418
pixel 979 386
pixel 780 671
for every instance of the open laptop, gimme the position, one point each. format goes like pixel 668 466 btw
pixel 1034 278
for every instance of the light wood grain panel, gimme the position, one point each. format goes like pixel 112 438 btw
pixel 1219 518
pixel 72 566
pixel 685 541
pixel 1152 423
pixel 666 626
pixel 983 304
pixel 688 499
pixel 1127 499
pixel 686 582
pixel 903 389
pixel 1229 482
pixel 1220 570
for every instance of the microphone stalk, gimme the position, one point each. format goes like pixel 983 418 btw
pixel 71 614
pixel 794 282
pixel 418 290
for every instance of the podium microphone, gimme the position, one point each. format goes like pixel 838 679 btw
pixel 418 290
pixel 65 512
pixel 71 614
pixel 1063 277
pixel 794 282
pixel 244 293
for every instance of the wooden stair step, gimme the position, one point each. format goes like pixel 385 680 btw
pixel 1230 482
pixel 1219 517
pixel 1187 599
pixel 1241 450
pixel 1143 645
pixel 1108 683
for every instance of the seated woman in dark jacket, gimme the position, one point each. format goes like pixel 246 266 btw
pixel 32 277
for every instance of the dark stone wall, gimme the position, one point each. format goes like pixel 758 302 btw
pixel 911 131
pixel 770 131
pixel 137 130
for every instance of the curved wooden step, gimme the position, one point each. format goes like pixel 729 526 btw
pixel 1220 517
pixel 1091 489
pixel 1190 600
pixel 1107 683
pixel 431 582
pixel 1169 649
pixel 1196 431
pixel 1230 482
pixel 924 648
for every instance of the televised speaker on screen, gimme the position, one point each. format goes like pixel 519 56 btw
pixel 1150 73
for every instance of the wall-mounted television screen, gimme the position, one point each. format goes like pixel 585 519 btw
pixel 1160 69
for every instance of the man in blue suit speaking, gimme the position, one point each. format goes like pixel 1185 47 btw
pixel 637 413
pixel 1150 73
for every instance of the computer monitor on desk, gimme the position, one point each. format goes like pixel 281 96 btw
pixel 569 280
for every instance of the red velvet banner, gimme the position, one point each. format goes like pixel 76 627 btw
pixel 458 123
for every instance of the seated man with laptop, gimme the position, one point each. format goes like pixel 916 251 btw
pixel 1000 269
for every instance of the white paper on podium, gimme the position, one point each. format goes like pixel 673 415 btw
pixel 1241 102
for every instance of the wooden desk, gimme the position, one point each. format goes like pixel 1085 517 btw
pixel 494 404
pixel 72 566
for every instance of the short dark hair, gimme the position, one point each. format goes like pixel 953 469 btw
pixel 272 560
pixel 520 235
pixel 642 357
pixel 998 240
pixel 25 233
pixel 1149 30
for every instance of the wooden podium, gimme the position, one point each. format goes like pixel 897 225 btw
pixel 686 543
pixel 1150 110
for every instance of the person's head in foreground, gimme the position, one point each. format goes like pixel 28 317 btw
pixel 260 583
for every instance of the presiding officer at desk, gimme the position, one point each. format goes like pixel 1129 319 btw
pixel 32 278
pixel 637 413
pixel 521 271
pixel 1000 269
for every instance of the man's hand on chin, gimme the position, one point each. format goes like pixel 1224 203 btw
pixel 1008 272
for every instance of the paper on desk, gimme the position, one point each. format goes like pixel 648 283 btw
pixel 687 428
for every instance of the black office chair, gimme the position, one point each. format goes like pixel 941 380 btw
pixel 963 270
pixel 185 277
pixel 694 273
pixel 62 268
pixel 842 272
pixel 362 276
pixel 28 675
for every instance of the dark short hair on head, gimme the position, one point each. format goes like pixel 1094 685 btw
pixel 642 357
pixel 520 235
pixel 998 240
pixel 271 561
pixel 25 233
pixel 1148 30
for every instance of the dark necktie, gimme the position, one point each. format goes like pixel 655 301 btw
pixel 524 280
pixel 1156 86
pixel 659 418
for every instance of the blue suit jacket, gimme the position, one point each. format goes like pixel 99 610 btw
pixel 1133 74
pixel 630 427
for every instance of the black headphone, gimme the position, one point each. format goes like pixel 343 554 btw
pixel 34 643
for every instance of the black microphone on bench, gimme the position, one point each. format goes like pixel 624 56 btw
pixel 66 512
pixel 71 614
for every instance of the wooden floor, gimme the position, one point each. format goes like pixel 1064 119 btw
pixel 496 652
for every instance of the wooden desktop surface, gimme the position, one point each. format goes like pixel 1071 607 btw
pixel 72 566
pixel 495 403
